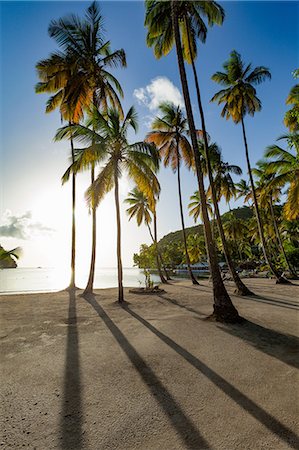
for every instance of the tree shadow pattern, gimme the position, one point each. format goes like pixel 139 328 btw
pixel 185 428
pixel 269 421
pixel 71 437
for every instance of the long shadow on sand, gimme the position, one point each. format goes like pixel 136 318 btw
pixel 270 422
pixel 176 416
pixel 174 302
pixel 281 346
pixel 71 414
pixel 272 301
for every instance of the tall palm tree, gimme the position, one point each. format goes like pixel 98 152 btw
pixel 169 135
pixel 285 169
pixel 268 194
pixel 142 208
pixel 221 184
pixel 239 98
pixel 84 41
pixel 56 74
pixel 139 161
pixel 164 30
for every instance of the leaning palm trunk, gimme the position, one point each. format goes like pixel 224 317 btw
pixel 89 286
pixel 72 284
pixel 291 269
pixel 155 240
pixel 279 278
pixel 241 289
pixel 192 277
pixel 224 310
pixel 119 262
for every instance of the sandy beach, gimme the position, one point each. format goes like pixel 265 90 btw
pixel 87 374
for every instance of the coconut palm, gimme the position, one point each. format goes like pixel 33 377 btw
pixel 169 135
pixel 195 206
pixel 239 98
pixel 291 118
pixel 285 169
pixel 56 74
pixel 84 41
pixel 163 22
pixel 268 194
pixel 243 190
pixel 142 208
pixel 221 184
pixel 139 161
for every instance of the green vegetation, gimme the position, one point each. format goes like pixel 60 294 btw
pixel 79 78
pixel 242 237
pixel 8 258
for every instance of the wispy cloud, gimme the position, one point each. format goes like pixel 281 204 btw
pixel 160 89
pixel 22 226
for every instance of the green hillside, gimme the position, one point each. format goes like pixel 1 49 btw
pixel 243 213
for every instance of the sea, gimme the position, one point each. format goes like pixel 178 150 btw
pixel 30 280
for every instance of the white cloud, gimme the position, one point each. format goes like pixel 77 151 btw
pixel 21 226
pixel 159 90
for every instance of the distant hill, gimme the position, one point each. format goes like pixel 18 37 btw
pixel 244 213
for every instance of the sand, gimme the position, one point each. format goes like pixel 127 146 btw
pixel 79 374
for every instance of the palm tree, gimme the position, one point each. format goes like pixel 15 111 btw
pixel 221 184
pixel 162 20
pixel 291 118
pixel 141 207
pixel 239 98
pixel 84 41
pixel 56 74
pixel 195 209
pixel 243 190
pixel 8 257
pixel 286 171
pixel 169 135
pixel 139 160
pixel 268 194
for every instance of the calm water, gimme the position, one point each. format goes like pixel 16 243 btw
pixel 45 280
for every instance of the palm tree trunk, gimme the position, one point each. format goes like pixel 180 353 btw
pixel 72 284
pixel 291 269
pixel 155 238
pixel 89 286
pixel 241 289
pixel 279 278
pixel 159 253
pixel 192 277
pixel 224 310
pixel 119 262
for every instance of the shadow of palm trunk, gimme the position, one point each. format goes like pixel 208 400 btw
pixel 281 346
pixel 185 428
pixel 71 413
pixel 269 421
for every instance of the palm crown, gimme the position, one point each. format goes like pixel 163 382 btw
pixel 285 169
pixel 191 21
pixel 239 95
pixel 79 76
pixel 169 135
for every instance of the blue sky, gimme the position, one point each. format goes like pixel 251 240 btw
pixel 265 33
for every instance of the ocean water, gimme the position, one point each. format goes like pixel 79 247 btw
pixel 22 280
